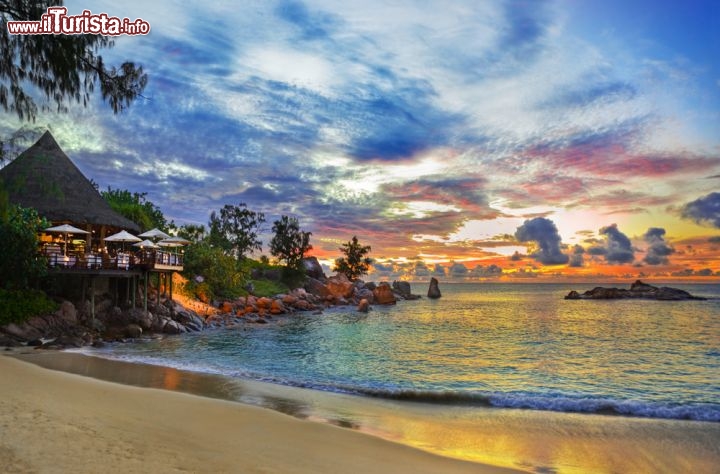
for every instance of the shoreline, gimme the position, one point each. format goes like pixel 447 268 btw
pixel 62 422
pixel 520 439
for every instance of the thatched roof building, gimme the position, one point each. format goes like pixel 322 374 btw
pixel 44 178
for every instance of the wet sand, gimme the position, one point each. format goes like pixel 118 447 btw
pixel 55 422
pixel 531 441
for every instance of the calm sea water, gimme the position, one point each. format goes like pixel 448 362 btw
pixel 505 345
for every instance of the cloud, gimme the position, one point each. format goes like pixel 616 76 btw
pixel 544 232
pixel 576 258
pixel 704 210
pixel 458 270
pixel 489 271
pixel 618 248
pixel 658 249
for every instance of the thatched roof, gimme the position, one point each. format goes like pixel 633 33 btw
pixel 44 178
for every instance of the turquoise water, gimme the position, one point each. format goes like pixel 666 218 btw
pixel 505 345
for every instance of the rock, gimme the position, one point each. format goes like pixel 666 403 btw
pixel 23 332
pixel 364 294
pixel 289 300
pixel 383 294
pixel 316 287
pixel 68 341
pixel 370 286
pixel 303 305
pixel 434 289
pixel 313 269
pixel 171 327
pixel 133 331
pixel 637 290
pixel 68 312
pixel 264 303
pixel 363 306
pixel 277 307
pixel 226 307
pixel 402 288
pixel 573 295
pixel 339 286
pixel 35 343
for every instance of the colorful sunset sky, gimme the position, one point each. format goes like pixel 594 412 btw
pixel 463 139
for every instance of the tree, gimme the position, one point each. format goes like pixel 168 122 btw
pixel 289 242
pixel 355 263
pixel 16 143
pixel 194 233
pixel 236 230
pixel 62 68
pixel 20 262
pixel 136 207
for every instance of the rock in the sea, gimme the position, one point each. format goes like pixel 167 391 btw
pixel 383 294
pixel 133 331
pixel 638 290
pixel 434 289
pixel 363 306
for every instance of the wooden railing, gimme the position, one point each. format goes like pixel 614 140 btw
pixel 146 260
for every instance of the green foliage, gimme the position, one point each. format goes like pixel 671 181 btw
pixel 192 232
pixel 136 207
pixel 20 262
pixel 290 244
pixel 58 68
pixel 265 287
pixel 221 273
pixel 20 305
pixel 355 263
pixel 236 230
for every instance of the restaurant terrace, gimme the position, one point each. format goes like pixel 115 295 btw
pixel 87 238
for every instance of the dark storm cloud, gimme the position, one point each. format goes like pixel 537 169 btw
pixel 544 232
pixel 658 250
pixel 576 257
pixel 704 210
pixel 618 248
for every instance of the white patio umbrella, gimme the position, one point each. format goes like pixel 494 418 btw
pixel 66 229
pixel 154 234
pixel 173 242
pixel 146 244
pixel 123 236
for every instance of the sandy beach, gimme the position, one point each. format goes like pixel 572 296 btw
pixel 54 422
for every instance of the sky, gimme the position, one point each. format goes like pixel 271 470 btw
pixel 461 139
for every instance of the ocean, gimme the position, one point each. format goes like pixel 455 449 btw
pixel 508 374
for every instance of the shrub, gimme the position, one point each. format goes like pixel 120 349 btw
pixel 21 305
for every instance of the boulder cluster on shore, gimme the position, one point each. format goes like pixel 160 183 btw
pixel 72 326
pixel 637 290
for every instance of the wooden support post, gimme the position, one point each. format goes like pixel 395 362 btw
pixel 171 284
pixel 133 282
pixel 158 290
pixel 145 294
pixel 92 301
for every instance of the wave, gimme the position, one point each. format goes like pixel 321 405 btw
pixel 709 412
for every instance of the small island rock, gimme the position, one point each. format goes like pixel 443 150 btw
pixel 638 290
pixel 434 289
